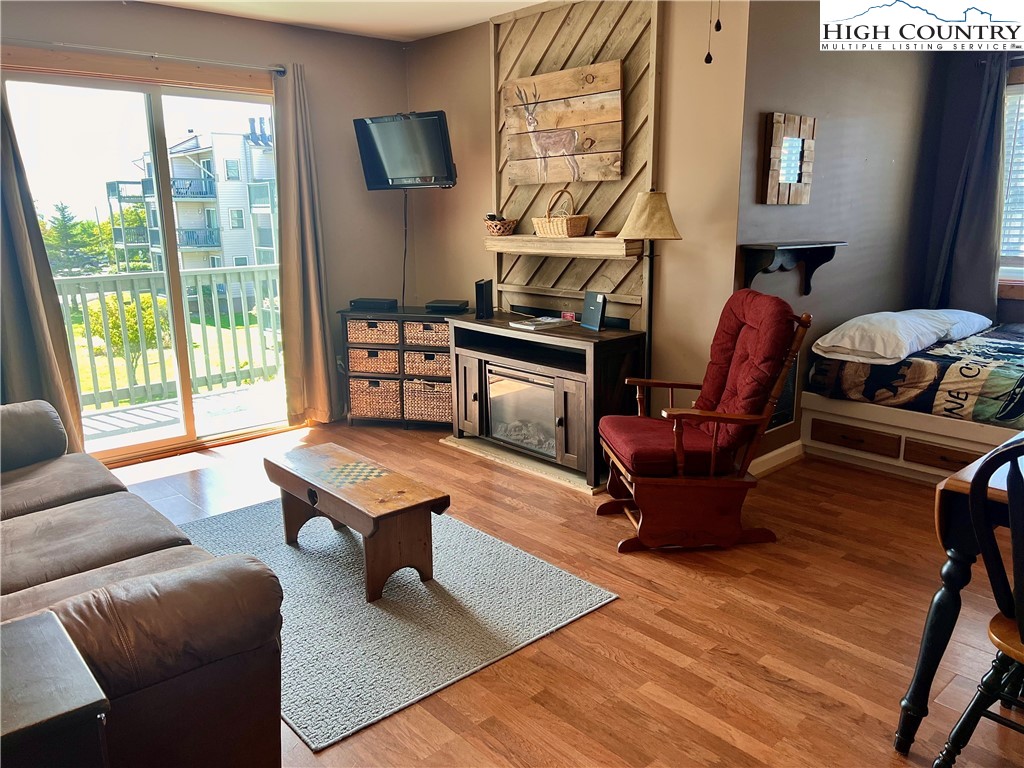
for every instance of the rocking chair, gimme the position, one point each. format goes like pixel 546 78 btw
pixel 681 479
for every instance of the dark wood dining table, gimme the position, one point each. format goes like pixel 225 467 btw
pixel 956 535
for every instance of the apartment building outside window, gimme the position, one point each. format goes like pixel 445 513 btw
pixel 172 322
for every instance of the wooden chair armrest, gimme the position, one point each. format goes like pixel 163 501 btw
pixel 692 414
pixel 643 384
pixel 634 382
pixel 679 415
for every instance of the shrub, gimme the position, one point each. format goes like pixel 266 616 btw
pixel 129 344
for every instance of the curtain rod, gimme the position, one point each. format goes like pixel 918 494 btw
pixel 276 69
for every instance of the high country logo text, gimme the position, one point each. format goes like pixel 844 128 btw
pixel 920 32
pixel 903 25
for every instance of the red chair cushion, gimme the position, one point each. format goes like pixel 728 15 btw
pixel 646 447
pixel 753 337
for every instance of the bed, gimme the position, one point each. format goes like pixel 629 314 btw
pixel 923 416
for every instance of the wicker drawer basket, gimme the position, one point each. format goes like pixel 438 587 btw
pixel 426 334
pixel 375 399
pixel 372 331
pixel 428 364
pixel 373 360
pixel 428 401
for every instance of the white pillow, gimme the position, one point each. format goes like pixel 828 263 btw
pixel 961 323
pixel 883 338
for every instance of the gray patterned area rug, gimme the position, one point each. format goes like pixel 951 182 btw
pixel 347 663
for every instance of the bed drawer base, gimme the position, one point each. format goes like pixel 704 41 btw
pixel 918 446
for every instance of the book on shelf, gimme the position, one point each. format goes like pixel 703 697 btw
pixel 538 323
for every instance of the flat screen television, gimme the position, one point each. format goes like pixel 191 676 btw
pixel 405 151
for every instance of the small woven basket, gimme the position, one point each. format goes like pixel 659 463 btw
pixel 373 360
pixel 428 401
pixel 428 364
pixel 569 225
pixel 372 332
pixel 426 334
pixel 500 228
pixel 374 399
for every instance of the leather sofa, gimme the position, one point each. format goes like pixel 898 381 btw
pixel 184 645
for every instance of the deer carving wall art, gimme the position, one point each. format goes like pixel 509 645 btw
pixel 564 125
pixel 554 143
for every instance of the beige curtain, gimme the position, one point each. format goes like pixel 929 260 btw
pixel 35 362
pixel 310 381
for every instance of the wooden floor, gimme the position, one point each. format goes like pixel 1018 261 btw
pixel 786 654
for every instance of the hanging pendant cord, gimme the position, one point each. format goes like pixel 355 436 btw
pixel 276 69
pixel 711 15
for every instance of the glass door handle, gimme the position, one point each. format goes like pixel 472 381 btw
pixel 560 421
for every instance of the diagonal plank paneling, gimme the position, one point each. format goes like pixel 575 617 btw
pixel 559 37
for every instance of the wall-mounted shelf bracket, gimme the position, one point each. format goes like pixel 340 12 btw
pixel 782 257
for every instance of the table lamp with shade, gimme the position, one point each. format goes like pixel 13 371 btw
pixel 650 219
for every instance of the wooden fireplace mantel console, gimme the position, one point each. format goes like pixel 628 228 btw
pixel 588 370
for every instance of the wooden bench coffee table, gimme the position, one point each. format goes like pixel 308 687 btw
pixel 391 511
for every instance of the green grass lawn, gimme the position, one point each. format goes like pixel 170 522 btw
pixel 213 354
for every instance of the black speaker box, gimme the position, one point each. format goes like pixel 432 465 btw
pixel 373 305
pixel 454 306
pixel 484 299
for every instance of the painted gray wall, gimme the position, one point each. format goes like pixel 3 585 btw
pixel 871 126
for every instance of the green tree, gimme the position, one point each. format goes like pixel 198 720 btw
pixel 98 241
pixel 130 344
pixel 134 216
pixel 68 245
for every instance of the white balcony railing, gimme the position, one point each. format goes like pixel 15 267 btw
pixel 120 331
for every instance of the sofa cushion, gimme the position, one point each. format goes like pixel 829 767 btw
pixel 138 632
pixel 34 433
pixel 646 447
pixel 78 537
pixel 54 483
pixel 42 596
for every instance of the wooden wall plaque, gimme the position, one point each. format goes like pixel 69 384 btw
pixel 565 125
pixel 789 148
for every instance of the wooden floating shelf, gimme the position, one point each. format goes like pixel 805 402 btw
pixel 572 247
pixel 782 257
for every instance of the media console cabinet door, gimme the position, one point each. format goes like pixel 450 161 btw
pixel 571 423
pixel 468 401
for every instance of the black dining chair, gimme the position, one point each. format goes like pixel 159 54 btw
pixel 1006 630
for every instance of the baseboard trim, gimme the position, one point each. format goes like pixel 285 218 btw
pixel 777 459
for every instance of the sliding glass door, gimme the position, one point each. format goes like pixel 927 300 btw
pixel 159 213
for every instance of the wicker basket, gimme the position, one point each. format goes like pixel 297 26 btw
pixel 426 334
pixel 374 399
pixel 372 332
pixel 428 401
pixel 373 360
pixel 500 228
pixel 428 364
pixel 571 225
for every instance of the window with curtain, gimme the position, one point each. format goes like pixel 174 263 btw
pixel 1011 242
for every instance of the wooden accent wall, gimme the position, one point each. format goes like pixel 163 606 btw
pixel 563 36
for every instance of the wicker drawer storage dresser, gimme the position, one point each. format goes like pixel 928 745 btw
pixel 396 366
